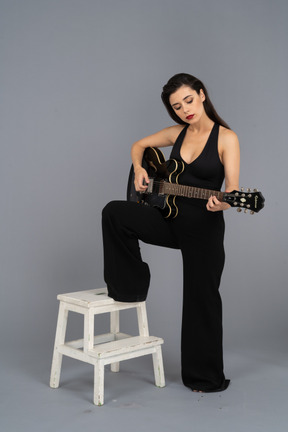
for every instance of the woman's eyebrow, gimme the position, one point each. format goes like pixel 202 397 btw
pixel 183 99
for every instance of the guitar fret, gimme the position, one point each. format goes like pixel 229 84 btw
pixel 187 191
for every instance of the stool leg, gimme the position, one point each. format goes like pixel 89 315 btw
pixel 115 328
pixel 142 319
pixel 99 383
pixel 88 342
pixel 59 340
pixel 158 367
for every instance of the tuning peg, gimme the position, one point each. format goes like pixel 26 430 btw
pixel 239 210
pixel 242 189
pixel 245 211
pixel 252 212
pixel 248 190
pixel 255 190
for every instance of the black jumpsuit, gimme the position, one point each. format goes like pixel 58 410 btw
pixel 199 235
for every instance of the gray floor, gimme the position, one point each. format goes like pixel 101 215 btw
pixel 255 401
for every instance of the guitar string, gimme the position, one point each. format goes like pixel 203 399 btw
pixel 193 189
pixel 199 193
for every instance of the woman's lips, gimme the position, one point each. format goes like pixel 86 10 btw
pixel 190 117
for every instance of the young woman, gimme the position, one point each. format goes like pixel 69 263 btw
pixel 210 152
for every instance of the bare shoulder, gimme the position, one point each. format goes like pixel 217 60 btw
pixel 227 137
pixel 172 132
pixel 163 138
pixel 228 147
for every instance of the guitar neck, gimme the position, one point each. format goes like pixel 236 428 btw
pixel 163 181
pixel 188 191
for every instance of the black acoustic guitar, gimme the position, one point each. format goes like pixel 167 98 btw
pixel 163 187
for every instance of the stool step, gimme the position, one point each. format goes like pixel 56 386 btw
pixel 123 346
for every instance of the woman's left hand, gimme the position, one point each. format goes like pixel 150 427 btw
pixel 214 205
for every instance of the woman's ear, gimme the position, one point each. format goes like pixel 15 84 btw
pixel 202 95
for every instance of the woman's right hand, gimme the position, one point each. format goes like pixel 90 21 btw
pixel 165 137
pixel 141 179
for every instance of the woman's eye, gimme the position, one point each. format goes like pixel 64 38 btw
pixel 177 109
pixel 190 101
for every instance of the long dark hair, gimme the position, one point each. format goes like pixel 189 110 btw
pixel 178 81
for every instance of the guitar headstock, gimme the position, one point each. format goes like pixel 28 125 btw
pixel 252 201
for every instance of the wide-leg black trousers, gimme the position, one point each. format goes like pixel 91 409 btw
pixel 199 235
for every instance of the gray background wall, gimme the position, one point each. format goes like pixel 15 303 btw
pixel 80 82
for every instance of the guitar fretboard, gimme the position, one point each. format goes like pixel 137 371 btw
pixel 183 190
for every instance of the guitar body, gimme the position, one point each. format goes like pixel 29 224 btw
pixel 163 187
pixel 158 171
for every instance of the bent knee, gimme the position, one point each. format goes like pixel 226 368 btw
pixel 113 208
pixel 109 209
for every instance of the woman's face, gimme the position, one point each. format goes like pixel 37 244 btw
pixel 188 104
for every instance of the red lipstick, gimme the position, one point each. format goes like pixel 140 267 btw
pixel 190 117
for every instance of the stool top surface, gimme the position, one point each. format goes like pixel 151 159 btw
pixel 91 298
pixel 95 297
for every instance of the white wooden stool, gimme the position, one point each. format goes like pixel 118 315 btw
pixel 109 348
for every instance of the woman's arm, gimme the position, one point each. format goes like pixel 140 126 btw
pixel 229 153
pixel 164 138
